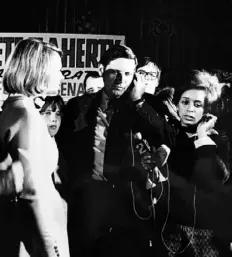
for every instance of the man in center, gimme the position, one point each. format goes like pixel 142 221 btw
pixel 109 210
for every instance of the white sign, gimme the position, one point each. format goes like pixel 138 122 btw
pixel 81 54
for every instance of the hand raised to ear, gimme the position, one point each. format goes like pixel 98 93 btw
pixel 139 87
pixel 206 125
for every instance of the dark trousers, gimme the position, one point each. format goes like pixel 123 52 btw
pixel 102 222
pixel 18 223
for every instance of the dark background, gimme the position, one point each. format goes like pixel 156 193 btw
pixel 178 33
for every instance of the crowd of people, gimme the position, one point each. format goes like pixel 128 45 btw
pixel 131 168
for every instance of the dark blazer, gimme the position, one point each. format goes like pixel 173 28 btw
pixel 75 139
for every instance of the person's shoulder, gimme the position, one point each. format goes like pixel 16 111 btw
pixel 77 105
pixel 14 112
pixel 155 102
pixel 21 120
pixel 149 97
pixel 79 100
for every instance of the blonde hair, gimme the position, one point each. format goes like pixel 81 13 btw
pixel 211 83
pixel 27 68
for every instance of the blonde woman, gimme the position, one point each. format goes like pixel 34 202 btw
pixel 35 215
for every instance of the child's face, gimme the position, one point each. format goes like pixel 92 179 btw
pixel 52 119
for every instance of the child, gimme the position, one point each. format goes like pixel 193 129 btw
pixel 52 113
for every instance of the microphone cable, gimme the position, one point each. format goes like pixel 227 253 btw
pixel 168 213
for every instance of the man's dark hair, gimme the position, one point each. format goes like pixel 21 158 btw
pixel 115 52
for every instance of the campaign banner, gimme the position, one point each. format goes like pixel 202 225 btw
pixel 81 54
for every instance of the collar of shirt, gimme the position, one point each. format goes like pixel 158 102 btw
pixel 104 103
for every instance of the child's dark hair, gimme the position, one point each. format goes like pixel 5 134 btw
pixel 55 102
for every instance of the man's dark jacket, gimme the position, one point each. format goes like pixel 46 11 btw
pixel 76 135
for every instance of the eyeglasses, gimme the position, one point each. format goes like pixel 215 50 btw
pixel 150 75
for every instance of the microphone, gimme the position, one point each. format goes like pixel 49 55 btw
pixel 159 157
pixel 145 145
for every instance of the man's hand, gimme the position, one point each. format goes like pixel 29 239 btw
pixel 147 162
pixel 153 163
pixel 139 87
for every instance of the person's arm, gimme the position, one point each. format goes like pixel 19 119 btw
pixel 209 167
pixel 213 206
pixel 30 143
pixel 60 177
pixel 212 197
pixel 205 170
pixel 11 173
pixel 11 177
pixel 223 153
pixel 152 125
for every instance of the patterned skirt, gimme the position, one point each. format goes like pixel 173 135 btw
pixel 186 241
